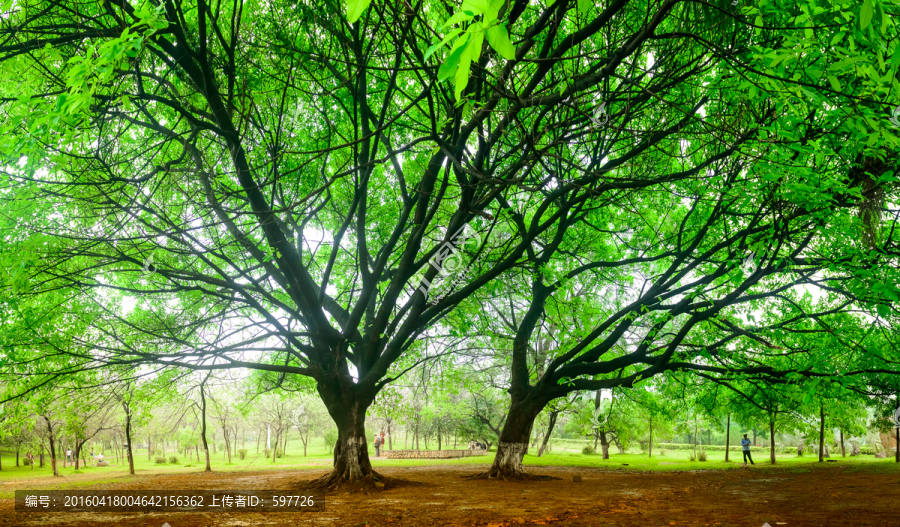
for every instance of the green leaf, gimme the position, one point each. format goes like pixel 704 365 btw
pixel 457 18
pixel 865 14
pixel 355 9
pixel 448 68
pixel 499 40
pixel 584 6
pixel 835 84
pixel 895 58
pixel 883 310
pixel 471 54
pixel 442 43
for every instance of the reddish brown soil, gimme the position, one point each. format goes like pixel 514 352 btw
pixel 435 495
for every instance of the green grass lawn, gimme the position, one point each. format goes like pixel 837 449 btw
pixel 563 454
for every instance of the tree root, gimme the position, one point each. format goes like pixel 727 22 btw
pixel 335 482
pixel 505 475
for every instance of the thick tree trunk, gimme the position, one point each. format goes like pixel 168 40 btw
pixel 727 437
pixel 203 426
pixel 513 441
pixel 390 441
pixel 772 438
pixel 843 450
pixel 553 415
pixel 650 442
pixel 347 409
pixel 821 433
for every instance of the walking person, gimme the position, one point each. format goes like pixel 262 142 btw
pixel 30 459
pixel 381 441
pixel 745 446
pixel 377 446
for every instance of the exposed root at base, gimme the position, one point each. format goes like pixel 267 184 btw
pixel 509 476
pixel 333 482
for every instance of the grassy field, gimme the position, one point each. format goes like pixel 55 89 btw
pixel 563 454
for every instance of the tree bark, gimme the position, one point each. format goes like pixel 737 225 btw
pixel 129 452
pixel 553 415
pixel 897 450
pixel 727 437
pixel 513 440
pixel 843 450
pixel 821 433
pixel 772 438
pixel 604 444
pixel 203 425
pixel 52 448
pixel 650 442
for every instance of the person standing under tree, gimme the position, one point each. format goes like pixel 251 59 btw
pixel 377 445
pixel 745 446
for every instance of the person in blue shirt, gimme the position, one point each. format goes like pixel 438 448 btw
pixel 745 446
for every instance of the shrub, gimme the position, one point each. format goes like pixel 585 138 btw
pixel 701 455
pixel 220 445
pixel 173 459
pixel 588 450
pixel 279 452
pixel 331 438
pixel 266 453
pixel 26 461
pixel 712 448
pixel 242 453
pixel 692 457
pixel 160 460
pixel 662 452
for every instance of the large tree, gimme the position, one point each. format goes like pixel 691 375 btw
pixel 260 184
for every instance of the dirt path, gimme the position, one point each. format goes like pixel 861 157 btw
pixel 436 496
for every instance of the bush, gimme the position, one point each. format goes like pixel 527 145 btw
pixel 220 445
pixel 331 438
pixel 242 453
pixel 588 450
pixel 26 462
pixel 712 448
pixel 160 460
pixel 701 455
pixel 662 452
pixel 266 453
pixel 173 459
pixel 279 452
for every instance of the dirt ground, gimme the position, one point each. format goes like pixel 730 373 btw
pixel 436 496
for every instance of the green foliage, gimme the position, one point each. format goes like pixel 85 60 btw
pixel 173 460
pixel 714 448
pixel 160 460
pixel 331 437
pixel 242 453
pixel 588 450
